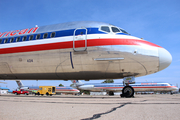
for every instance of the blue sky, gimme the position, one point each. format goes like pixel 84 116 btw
pixel 157 21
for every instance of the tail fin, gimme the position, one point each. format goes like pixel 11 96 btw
pixel 19 83
pixel 77 83
pixel 21 86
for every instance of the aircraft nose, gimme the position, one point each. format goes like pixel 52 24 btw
pixel 176 88
pixel 165 59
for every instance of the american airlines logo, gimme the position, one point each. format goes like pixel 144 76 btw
pixel 19 32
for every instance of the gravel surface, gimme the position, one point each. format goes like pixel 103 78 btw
pixel 69 107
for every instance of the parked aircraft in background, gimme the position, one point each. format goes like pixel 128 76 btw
pixel 78 50
pixel 115 87
pixel 59 89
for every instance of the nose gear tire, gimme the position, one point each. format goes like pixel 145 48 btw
pixel 127 91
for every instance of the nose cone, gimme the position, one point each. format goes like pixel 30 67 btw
pixel 175 88
pixel 165 59
pixel 77 90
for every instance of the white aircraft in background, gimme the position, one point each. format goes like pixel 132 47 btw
pixel 79 51
pixel 117 87
pixel 59 89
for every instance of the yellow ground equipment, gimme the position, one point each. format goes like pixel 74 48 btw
pixel 47 90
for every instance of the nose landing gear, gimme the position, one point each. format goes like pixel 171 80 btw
pixel 128 91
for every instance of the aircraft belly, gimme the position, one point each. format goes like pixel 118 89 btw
pixel 70 66
pixel 161 89
pixel 6 71
pixel 99 62
pixel 82 66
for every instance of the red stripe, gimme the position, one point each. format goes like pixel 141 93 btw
pixel 81 43
pixel 118 41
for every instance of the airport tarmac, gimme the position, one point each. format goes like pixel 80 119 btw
pixel 69 107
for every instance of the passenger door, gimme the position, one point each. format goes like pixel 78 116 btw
pixel 80 39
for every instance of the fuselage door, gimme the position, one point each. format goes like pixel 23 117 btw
pixel 80 39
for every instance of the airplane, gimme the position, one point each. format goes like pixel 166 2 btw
pixel 82 50
pixel 59 89
pixel 110 88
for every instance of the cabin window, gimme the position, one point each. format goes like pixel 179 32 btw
pixel 6 40
pixel 45 35
pixel 38 36
pixel 24 38
pixel 115 29
pixel 53 34
pixel 31 37
pixel 0 41
pixel 17 39
pixel 105 28
pixel 11 40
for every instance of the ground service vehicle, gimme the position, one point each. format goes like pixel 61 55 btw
pixel 48 90
pixel 21 91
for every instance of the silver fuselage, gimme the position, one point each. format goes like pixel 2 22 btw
pixel 138 87
pixel 88 56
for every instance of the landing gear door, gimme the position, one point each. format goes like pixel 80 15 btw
pixel 80 39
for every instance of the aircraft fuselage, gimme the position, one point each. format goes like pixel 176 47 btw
pixel 78 50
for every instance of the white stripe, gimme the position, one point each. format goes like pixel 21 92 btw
pixel 63 39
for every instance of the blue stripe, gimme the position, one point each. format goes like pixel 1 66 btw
pixel 62 33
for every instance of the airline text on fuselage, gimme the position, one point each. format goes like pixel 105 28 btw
pixel 19 32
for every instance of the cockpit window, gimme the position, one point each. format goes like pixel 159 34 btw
pixel 124 31
pixel 105 28
pixel 115 29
